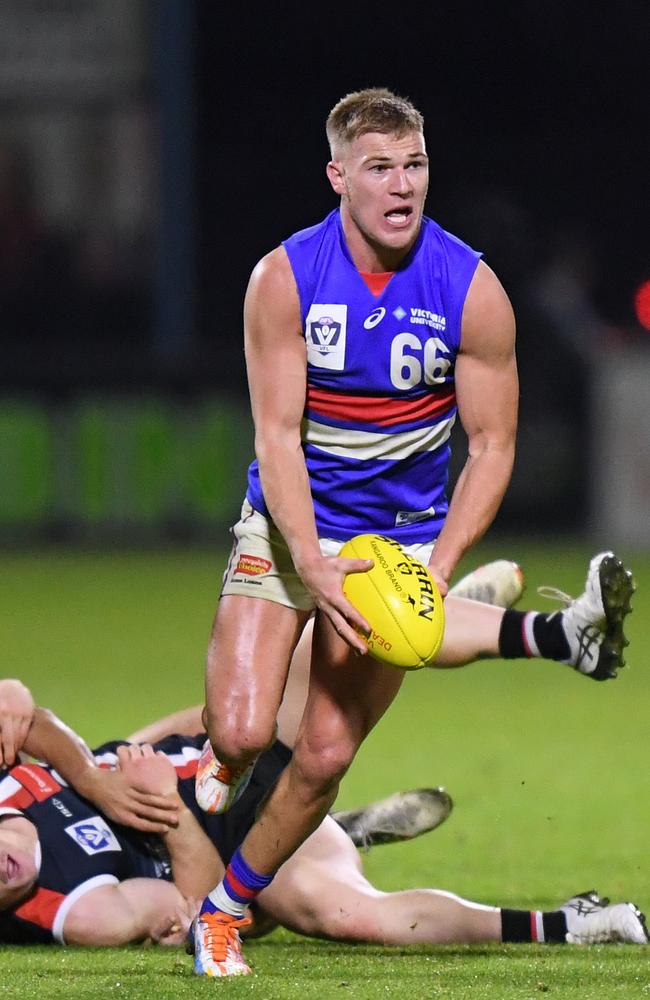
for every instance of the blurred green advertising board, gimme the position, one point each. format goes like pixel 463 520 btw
pixel 131 464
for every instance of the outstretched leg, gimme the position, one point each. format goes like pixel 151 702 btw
pixel 588 634
pixel 322 892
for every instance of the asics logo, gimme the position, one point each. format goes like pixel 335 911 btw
pixel 587 639
pixel 375 317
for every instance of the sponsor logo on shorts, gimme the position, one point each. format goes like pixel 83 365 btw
pixel 93 836
pixel 252 566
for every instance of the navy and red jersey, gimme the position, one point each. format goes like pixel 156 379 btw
pixel 82 850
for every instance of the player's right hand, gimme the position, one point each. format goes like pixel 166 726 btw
pixel 324 579
pixel 132 795
pixel 16 715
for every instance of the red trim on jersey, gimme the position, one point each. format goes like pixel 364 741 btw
pixel 376 282
pixel 384 411
pixel 187 770
pixel 19 800
pixel 41 908
pixel 36 780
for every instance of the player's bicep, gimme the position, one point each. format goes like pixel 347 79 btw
pixel 276 355
pixel 122 913
pixel 486 369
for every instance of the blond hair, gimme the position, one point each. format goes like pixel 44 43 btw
pixel 376 109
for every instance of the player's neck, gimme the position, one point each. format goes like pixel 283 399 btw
pixel 370 257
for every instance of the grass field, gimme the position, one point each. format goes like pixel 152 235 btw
pixel 548 772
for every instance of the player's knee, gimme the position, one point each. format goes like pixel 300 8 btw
pixel 238 742
pixel 323 767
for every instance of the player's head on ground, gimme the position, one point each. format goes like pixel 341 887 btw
pixel 19 859
pixel 379 168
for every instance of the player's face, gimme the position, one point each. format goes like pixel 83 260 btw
pixel 18 864
pixel 382 180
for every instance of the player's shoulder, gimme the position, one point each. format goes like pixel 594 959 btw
pixel 488 318
pixel 453 245
pixel 272 285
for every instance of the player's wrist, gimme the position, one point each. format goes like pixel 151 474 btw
pixel 88 781
pixel 307 563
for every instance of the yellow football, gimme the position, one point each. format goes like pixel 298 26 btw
pixel 400 601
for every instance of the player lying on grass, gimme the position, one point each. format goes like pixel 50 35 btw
pixel 69 872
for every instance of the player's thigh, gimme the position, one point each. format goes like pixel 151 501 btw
pixel 321 890
pixel 347 693
pixel 295 693
pixel 250 649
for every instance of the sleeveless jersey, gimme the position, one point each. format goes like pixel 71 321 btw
pixel 380 402
pixel 80 849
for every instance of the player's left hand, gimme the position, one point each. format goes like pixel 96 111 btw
pixel 173 928
pixel 324 577
pixel 16 714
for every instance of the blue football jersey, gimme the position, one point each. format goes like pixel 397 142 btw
pixel 380 403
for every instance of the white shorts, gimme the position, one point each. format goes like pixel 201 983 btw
pixel 260 564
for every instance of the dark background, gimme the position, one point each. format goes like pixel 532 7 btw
pixel 202 146
pixel 536 122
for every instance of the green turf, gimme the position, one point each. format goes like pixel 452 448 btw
pixel 547 770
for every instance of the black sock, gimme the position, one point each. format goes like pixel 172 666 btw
pixel 528 633
pixel 524 926
pixel 511 637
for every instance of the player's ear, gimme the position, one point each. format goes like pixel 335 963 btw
pixel 334 170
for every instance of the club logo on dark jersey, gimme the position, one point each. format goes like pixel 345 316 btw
pixel 93 835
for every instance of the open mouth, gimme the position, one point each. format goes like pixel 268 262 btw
pixel 9 871
pixel 399 216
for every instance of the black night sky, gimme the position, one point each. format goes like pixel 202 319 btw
pixel 536 123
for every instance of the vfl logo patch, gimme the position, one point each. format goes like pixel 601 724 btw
pixel 374 318
pixel 325 335
pixel 252 565
pixel 93 836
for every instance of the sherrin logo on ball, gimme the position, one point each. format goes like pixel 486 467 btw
pixel 400 601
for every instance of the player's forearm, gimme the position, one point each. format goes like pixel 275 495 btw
pixel 288 497
pixel 49 739
pixel 196 864
pixel 474 504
